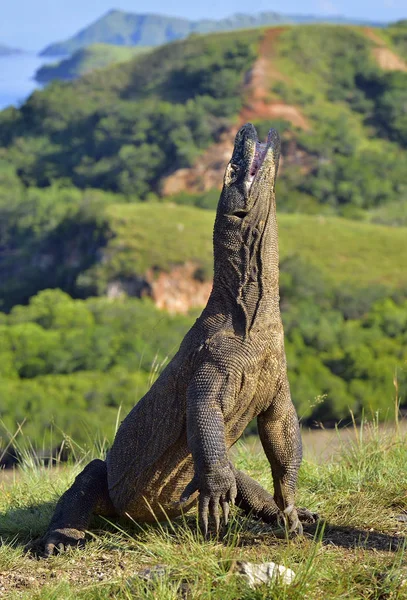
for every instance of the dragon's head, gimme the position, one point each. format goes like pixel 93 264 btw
pixel 251 173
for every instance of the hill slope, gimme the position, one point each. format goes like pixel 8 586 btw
pixel 85 60
pixel 340 113
pixel 124 247
pixel 160 236
pixel 343 287
pixel 129 29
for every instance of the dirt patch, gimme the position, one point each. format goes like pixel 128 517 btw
pixel 385 58
pixel 176 291
pixel 388 60
pixel 275 110
pixel 180 290
pixel 32 576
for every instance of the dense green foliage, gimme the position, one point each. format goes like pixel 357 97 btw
pixel 355 148
pixel 124 127
pixel 85 60
pixel 73 363
pixel 345 346
pixel 47 237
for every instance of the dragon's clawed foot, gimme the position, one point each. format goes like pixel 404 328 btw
pixel 293 518
pixel 55 542
pixel 306 516
pixel 216 488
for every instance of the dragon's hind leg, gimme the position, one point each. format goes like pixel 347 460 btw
pixel 258 502
pixel 88 495
pixel 281 439
pixel 255 500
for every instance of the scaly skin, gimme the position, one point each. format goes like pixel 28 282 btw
pixel 230 368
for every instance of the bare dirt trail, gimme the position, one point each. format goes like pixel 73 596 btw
pixel 207 173
pixel 385 58
pixel 258 104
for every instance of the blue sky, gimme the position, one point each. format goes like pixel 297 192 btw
pixel 32 24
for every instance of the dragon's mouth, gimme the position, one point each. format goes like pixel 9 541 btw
pixel 258 158
pixel 260 153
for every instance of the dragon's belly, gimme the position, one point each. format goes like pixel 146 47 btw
pixel 153 495
pixel 257 389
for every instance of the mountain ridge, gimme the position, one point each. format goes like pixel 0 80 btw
pixel 150 29
pixel 7 51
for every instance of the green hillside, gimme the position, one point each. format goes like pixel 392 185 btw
pixel 138 122
pixel 81 169
pixel 123 127
pixel 74 362
pixel 85 60
pixel 81 242
pixel 143 236
pixel 355 148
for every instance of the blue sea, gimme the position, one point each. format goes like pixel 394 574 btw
pixel 17 77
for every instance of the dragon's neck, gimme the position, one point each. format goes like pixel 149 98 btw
pixel 246 267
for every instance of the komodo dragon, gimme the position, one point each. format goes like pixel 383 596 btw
pixel 229 369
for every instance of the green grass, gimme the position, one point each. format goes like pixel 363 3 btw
pixel 159 236
pixel 358 552
pixel 344 250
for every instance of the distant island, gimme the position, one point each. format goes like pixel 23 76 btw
pixel 128 29
pixel 85 60
pixel 6 51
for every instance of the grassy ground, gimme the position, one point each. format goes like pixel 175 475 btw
pixel 358 551
pixel 148 236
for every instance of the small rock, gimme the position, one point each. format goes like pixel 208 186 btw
pixel 153 572
pixel 401 518
pixel 265 573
